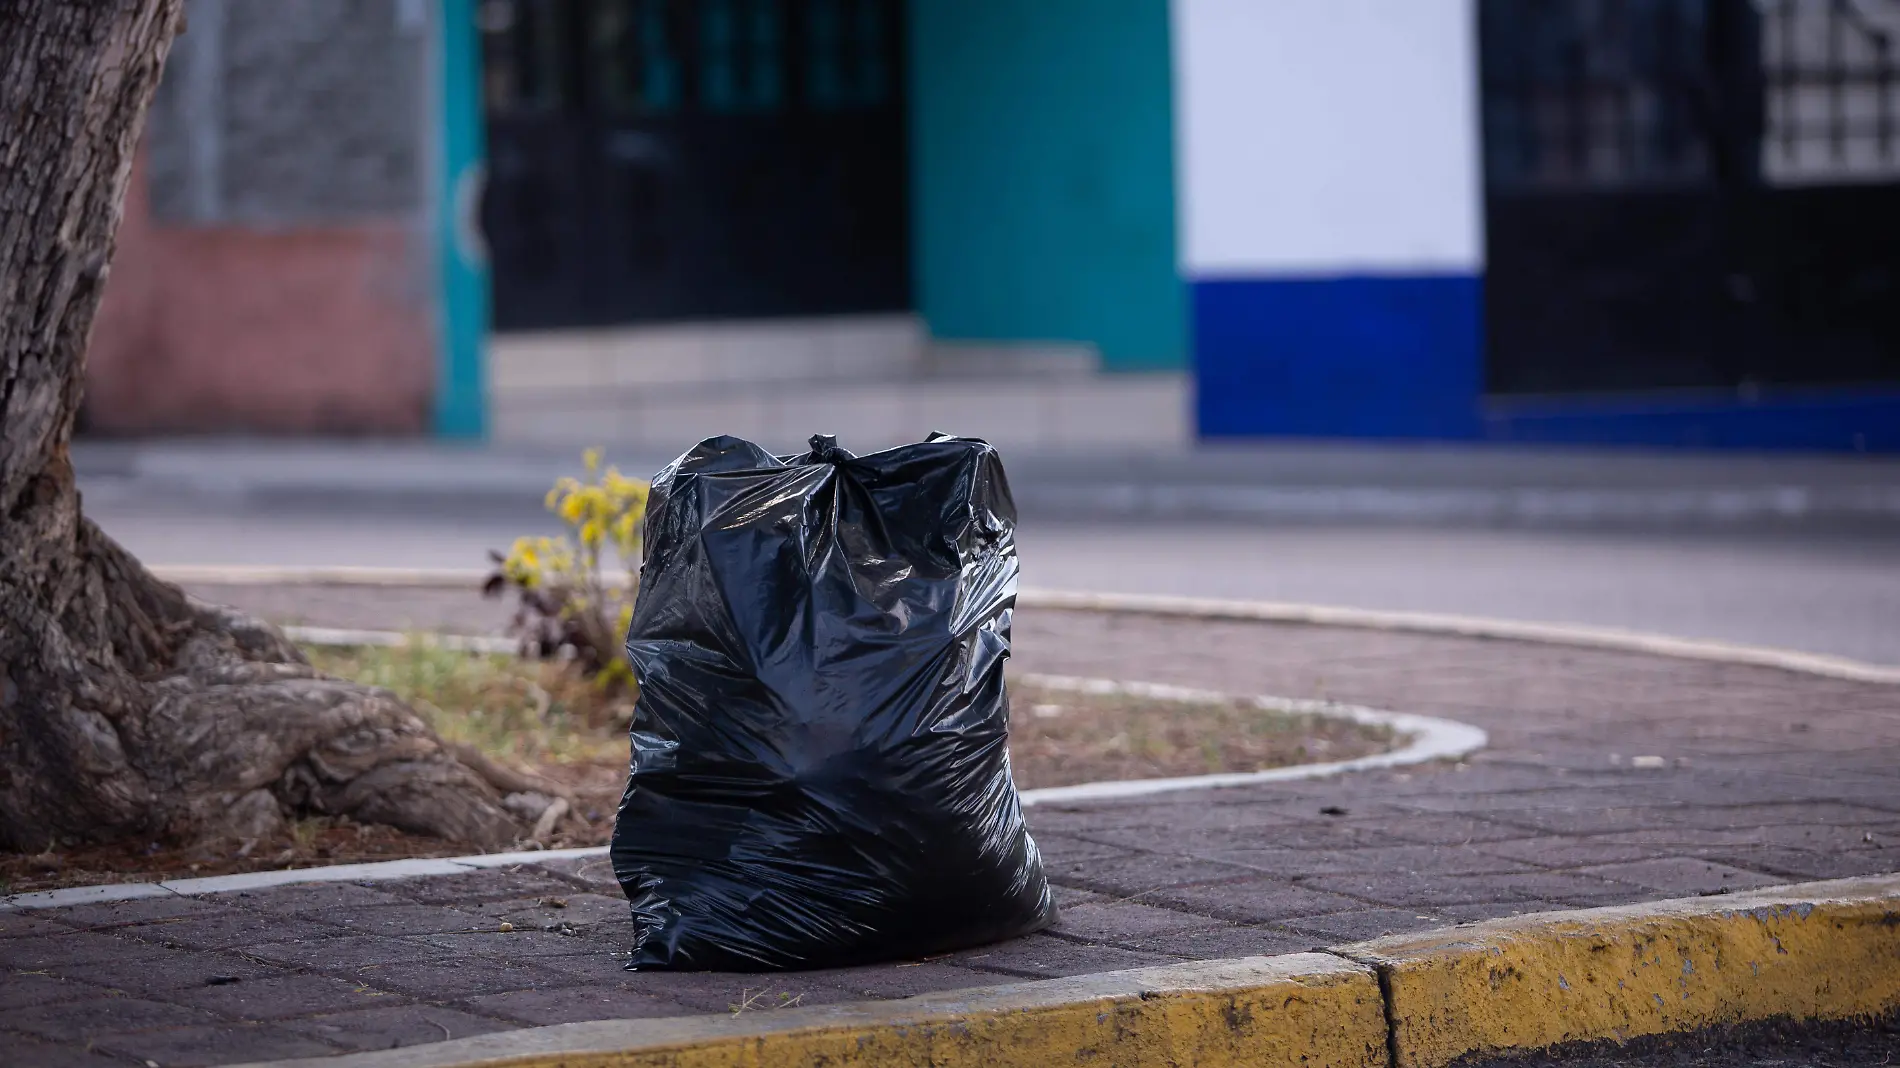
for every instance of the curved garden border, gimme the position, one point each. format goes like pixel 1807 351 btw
pixel 1427 739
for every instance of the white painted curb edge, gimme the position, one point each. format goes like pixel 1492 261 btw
pixel 1613 638
pixel 264 880
pixel 1431 739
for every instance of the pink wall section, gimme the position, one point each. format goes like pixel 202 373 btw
pixel 296 330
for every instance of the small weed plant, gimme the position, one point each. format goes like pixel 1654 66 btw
pixel 569 606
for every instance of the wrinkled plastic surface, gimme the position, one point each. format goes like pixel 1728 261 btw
pixel 820 773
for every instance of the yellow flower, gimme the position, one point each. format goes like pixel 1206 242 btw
pixel 591 532
pixel 572 507
pixel 627 533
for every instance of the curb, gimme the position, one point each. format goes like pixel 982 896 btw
pixel 1817 951
pixel 374 871
pixel 1579 635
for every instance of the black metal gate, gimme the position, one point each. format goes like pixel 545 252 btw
pixel 657 160
pixel 1691 193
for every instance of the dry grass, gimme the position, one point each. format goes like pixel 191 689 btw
pixel 521 711
pixel 1060 737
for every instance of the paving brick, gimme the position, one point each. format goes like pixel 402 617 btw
pixel 1297 863
pixel 515 944
pixel 1555 851
pixel 1361 924
pixel 904 980
pixel 1066 848
pixel 1222 940
pixel 280 996
pixel 315 897
pixel 1726 817
pixel 1252 900
pixel 190 1047
pixel 476 887
pixel 1067 896
pixel 173 971
pixel 461 977
pixel 1451 830
pixel 43 952
pixel 1206 841
pixel 405 919
pixel 24 1052
pixel 1493 910
pixel 1043 957
pixel 1105 920
pixel 721 992
pixel 1407 890
pixel 347 952
pixel 574 1005
pixel 112 914
pixel 391 1026
pixel 80 1020
pixel 1142 873
pixel 578 910
pixel 600 964
pixel 1682 876
pixel 1800 865
pixel 220 930
pixel 24 922
pixel 21 989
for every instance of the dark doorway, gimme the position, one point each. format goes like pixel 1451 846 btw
pixel 1691 194
pixel 654 160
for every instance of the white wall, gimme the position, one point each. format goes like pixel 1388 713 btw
pixel 1327 137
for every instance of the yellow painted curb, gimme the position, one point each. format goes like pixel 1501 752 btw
pixel 1312 1010
pixel 1815 951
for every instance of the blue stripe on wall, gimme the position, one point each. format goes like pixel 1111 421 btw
pixel 1402 357
pixel 1834 420
pixel 1363 357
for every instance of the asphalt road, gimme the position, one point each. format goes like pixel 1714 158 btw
pixel 1822 591
pixel 1776 1044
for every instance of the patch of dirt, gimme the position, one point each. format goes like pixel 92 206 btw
pixel 545 718
pixel 1061 738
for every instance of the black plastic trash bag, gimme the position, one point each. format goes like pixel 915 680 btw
pixel 820 771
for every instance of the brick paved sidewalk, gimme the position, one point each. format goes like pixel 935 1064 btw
pixel 1764 777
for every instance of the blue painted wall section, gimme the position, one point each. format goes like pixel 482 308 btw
pixel 462 271
pixel 1821 420
pixel 1402 358
pixel 1366 357
pixel 1043 196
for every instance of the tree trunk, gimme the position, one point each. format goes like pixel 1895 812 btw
pixel 125 707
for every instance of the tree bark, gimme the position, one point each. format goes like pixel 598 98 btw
pixel 125 707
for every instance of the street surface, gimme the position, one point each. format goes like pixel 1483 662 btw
pixel 1825 591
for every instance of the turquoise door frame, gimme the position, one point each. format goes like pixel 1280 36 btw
pixel 1042 161
pixel 461 400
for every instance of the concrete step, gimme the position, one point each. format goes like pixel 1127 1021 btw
pixel 1046 413
pixel 819 349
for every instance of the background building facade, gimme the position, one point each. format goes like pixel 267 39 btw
pixel 1062 223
